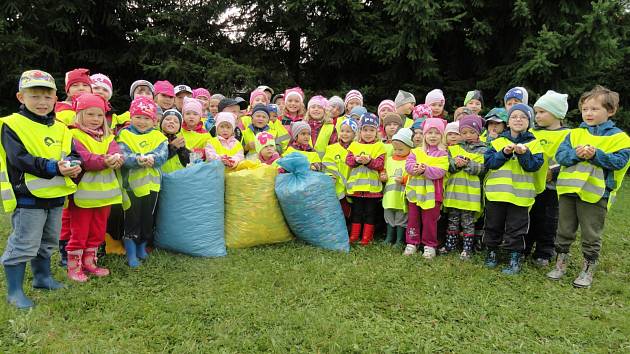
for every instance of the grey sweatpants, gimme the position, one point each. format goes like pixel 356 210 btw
pixel 590 217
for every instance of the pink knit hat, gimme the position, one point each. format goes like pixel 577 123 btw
pixel 319 101
pixel 143 106
pixel 435 95
pixel 164 87
pixel 192 104
pixel 421 111
pixel 100 80
pixel 296 91
pixel 437 123
pixel 353 94
pixel 89 100
pixel 386 104
pixel 201 92
pixel 256 93
pixel 225 117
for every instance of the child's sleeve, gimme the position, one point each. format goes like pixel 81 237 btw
pixel 131 160
pixel 377 164
pixel 411 163
pixel 434 172
pixel 493 159
pixel 566 155
pixel 531 162
pixel 91 162
pixel 211 152
pixel 18 157
pixel 452 167
pixel 239 156
pixel 160 154
pixel 350 161
pixel 613 162
pixel 475 168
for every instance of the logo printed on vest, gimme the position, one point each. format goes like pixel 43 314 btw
pixel 48 141
pixel 143 143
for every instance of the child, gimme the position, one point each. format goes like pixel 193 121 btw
pixel 462 195
pixel 192 130
pixel 145 150
pixel 426 165
pixel 181 92
pixel 225 147
pixel 141 88
pixel 164 94
pixel 322 128
pixel 462 111
pixel 266 148
pixel 405 102
pixel 259 123
pixel 97 190
pixel 474 101
pixel 102 86
pixel 435 99
pixel 203 96
pixel 178 154
pixel 268 92
pixel 277 129
pixel 213 110
pixel 594 159
pixel 337 109
pixel 301 143
pixel 391 125
pixel 515 95
pixel 293 106
pixel 366 159
pixel 77 82
pixel 279 100
pixel 258 97
pixel 550 109
pixel 417 138
pixel 353 98
pixel 385 107
pixel 421 112
pixel 394 176
pixel 452 133
pixel 512 160
pixel 35 183
pixel 334 161
pixel 496 123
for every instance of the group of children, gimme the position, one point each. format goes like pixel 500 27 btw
pixel 71 171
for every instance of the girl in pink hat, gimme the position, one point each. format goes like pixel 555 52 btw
pixel 293 107
pixel 322 128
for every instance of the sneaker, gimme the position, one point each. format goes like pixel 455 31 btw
pixel 410 250
pixel 541 262
pixel 443 250
pixel 429 252
pixel 465 255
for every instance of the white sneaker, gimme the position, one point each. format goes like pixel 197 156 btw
pixel 429 252
pixel 410 250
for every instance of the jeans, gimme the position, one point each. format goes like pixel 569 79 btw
pixel 35 232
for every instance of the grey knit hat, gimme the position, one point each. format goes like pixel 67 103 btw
pixel 404 97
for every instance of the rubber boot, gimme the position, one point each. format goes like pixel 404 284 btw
pixel 75 271
pixel 451 241
pixel 368 234
pixel 469 245
pixel 585 279
pixel 389 239
pixel 514 267
pixel 141 250
pixel 562 260
pixel 89 263
pixel 131 249
pixel 355 232
pixel 42 276
pixel 63 262
pixel 15 292
pixel 400 236
pixel 491 259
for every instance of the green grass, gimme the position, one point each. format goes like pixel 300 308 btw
pixel 296 298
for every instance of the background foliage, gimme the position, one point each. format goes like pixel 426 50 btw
pixel 326 46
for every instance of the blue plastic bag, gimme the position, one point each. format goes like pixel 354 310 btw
pixel 310 205
pixel 190 215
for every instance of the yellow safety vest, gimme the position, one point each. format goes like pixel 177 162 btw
pixel 408 122
pixel 280 132
pixel 421 190
pixel 335 163
pixel 66 116
pixel 586 179
pixel 510 183
pixel 389 149
pixel 249 136
pixel 97 188
pixel 51 142
pixel 120 119
pixel 323 138
pixel 312 156
pixel 550 141
pixel 394 193
pixel 143 180
pixel 462 190
pixel 361 178
pixel 222 150
pixel 173 164
pixel 194 140
pixel 340 120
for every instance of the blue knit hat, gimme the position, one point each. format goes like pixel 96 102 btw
pixel 260 108
pixel 369 120
pixel 520 93
pixel 358 111
pixel 529 112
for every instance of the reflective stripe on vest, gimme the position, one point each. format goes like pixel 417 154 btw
pixel 394 193
pixel 510 183
pixel 550 141
pixel 421 190
pixel 143 180
pixel 361 178
pixel 586 179
pixel 335 163
pixel 51 142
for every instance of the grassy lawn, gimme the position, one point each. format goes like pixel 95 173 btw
pixel 296 298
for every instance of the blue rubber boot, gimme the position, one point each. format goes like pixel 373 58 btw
pixel 130 248
pixel 514 267
pixel 142 250
pixel 491 259
pixel 15 293
pixel 63 262
pixel 42 276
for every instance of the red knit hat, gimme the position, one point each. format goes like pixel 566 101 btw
pixel 89 100
pixel 78 75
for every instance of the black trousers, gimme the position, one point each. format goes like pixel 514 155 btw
pixel 543 225
pixel 364 210
pixel 115 222
pixel 506 226
pixel 139 218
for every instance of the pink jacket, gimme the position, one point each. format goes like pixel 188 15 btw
pixel 228 143
pixel 94 162
pixel 433 173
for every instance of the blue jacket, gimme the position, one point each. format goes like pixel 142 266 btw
pixel 530 162
pixel 19 161
pixel 566 155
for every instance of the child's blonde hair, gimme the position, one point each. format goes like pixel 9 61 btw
pixel 78 122
pixel 326 119
pixel 609 98
pixel 441 145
